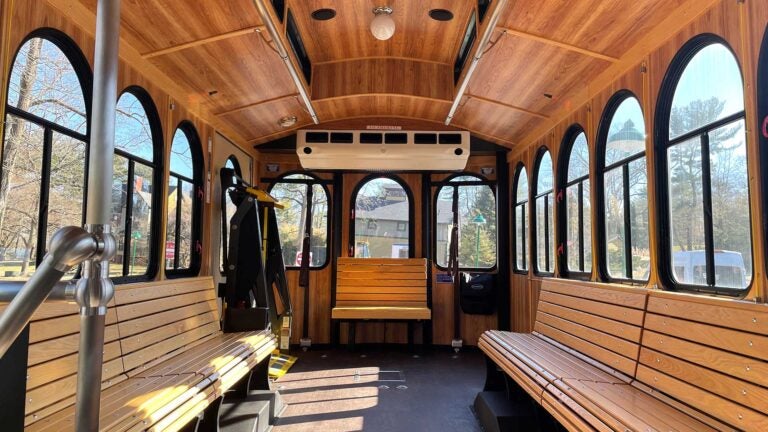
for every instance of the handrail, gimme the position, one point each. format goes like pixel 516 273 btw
pixel 283 53
pixel 63 291
pixel 69 247
pixel 489 29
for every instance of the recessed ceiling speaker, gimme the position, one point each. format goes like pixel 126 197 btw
pixel 323 14
pixel 441 14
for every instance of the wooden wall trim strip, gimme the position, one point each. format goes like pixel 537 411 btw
pixel 563 45
pixel 505 105
pixel 203 41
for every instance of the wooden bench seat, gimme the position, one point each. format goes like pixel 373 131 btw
pixel 170 359
pixel 597 361
pixel 381 289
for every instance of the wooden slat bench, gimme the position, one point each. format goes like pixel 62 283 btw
pixel 165 358
pixel 607 358
pixel 381 289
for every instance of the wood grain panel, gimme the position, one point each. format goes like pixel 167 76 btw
pixel 202 21
pixel 382 75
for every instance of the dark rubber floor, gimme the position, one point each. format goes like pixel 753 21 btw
pixel 381 389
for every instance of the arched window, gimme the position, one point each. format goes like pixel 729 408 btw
pixel 544 243
pixel 702 158
pixel 306 206
pixel 575 220
pixel 135 205
pixel 42 180
pixel 382 209
pixel 623 191
pixel 230 208
pixel 470 203
pixel 520 215
pixel 185 193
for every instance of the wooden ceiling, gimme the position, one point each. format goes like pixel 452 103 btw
pixel 221 56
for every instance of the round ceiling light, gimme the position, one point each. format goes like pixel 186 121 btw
pixel 287 121
pixel 323 14
pixel 441 14
pixel 383 26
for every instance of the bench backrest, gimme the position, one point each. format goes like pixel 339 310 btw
pixel 146 323
pixel 711 354
pixel 155 321
pixel 52 363
pixel 397 282
pixel 601 322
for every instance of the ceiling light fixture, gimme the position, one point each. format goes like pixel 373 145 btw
pixel 287 121
pixel 382 26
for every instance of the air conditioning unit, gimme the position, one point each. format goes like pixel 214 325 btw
pixel 383 150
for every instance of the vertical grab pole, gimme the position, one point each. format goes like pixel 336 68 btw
pixel 95 289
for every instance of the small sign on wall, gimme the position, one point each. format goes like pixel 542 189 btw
pixel 273 167
pixel 444 278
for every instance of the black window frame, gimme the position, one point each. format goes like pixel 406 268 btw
pixel 82 70
pixel 279 7
pixel 662 143
pixel 561 207
pixel 467 42
pixel 526 204
pixel 239 173
pixel 311 182
pixel 606 120
pixel 411 210
pixel 198 166
pixel 762 128
pixel 549 195
pixel 481 181
pixel 482 9
pixel 297 46
pixel 156 130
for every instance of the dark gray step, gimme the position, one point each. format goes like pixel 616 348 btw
pixel 244 415
pixel 276 404
pixel 496 413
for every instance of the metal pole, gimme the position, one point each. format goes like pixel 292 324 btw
pixel 95 288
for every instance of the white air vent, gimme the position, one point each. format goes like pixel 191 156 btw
pixel 383 150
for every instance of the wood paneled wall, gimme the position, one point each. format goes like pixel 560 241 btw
pixel 741 25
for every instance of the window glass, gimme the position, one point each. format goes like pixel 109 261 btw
pixel 521 221
pixel 709 89
pixel 43 163
pixel 544 205
pixel 476 222
pixel 181 204
pixel 626 133
pixel 625 194
pixel 710 240
pixel 44 83
pixel 578 163
pixel 578 220
pixel 292 220
pixel 181 155
pixel 382 220
pixel 133 176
